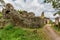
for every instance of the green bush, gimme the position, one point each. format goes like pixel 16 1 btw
pixel 9 26
pixel 56 28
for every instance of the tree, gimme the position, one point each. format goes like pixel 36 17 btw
pixel 55 3
pixel 57 13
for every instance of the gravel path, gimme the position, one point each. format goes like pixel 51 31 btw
pixel 51 33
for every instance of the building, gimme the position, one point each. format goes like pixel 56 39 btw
pixel 42 15
pixel 45 19
pixel 57 21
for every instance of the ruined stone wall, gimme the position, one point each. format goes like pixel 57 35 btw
pixel 24 18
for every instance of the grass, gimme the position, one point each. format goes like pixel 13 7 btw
pixel 1 15
pixel 14 33
pixel 57 30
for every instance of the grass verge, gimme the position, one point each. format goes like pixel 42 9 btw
pixel 14 33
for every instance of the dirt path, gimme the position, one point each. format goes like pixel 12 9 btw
pixel 51 33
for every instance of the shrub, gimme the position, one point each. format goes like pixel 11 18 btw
pixel 9 26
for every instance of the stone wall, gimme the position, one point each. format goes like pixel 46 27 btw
pixel 23 18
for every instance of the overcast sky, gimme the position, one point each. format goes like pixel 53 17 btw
pixel 36 6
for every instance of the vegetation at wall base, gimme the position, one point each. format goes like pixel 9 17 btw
pixel 12 33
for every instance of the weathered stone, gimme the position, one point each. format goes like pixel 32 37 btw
pixel 3 22
pixel 10 13
pixel 23 18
